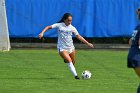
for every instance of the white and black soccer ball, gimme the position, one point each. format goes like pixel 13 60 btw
pixel 86 74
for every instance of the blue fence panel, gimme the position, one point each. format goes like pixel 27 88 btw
pixel 92 18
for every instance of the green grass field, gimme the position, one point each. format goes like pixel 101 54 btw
pixel 43 71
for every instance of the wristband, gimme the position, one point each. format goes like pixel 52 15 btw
pixel 139 47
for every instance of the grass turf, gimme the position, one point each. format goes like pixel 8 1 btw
pixel 43 71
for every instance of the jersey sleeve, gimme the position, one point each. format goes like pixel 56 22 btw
pixel 138 30
pixel 74 30
pixel 55 25
pixel 138 33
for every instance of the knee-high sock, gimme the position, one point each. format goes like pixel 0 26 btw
pixel 72 68
pixel 138 90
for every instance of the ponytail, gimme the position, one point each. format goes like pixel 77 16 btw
pixel 65 16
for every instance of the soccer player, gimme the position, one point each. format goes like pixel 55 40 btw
pixel 65 43
pixel 133 59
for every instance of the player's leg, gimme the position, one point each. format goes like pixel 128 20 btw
pixel 137 70
pixel 65 55
pixel 72 56
pixel 138 90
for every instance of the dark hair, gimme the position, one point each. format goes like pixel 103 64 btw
pixel 138 9
pixel 138 13
pixel 65 16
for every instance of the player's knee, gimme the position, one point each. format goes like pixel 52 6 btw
pixel 73 62
pixel 137 70
pixel 68 60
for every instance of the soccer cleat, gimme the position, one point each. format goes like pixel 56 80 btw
pixel 76 77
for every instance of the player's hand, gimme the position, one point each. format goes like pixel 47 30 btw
pixel 91 45
pixel 40 35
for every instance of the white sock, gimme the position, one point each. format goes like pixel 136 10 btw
pixel 72 68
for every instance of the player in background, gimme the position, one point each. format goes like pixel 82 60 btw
pixel 65 43
pixel 133 59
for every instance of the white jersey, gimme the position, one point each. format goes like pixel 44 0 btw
pixel 65 35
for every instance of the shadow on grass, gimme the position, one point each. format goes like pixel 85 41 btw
pixel 32 78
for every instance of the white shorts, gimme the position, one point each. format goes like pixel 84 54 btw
pixel 70 50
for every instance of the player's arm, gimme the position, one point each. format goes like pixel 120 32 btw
pixel 130 41
pixel 44 30
pixel 139 43
pixel 84 41
pixel 139 39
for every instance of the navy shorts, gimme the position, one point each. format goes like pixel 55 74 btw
pixel 133 58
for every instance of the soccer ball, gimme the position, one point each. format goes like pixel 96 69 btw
pixel 86 74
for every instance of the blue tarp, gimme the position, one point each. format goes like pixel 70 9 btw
pixel 92 18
